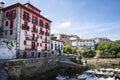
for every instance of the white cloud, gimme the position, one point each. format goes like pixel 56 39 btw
pixel 65 24
pixel 87 30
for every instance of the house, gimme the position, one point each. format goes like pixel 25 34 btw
pixel 24 24
pixel 56 46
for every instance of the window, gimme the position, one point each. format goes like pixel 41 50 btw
pixel 45 46
pixel 6 23
pixel 55 46
pixel 11 32
pixel 46 25
pixel 11 14
pixel 41 23
pixel 5 32
pixel 51 45
pixel 26 16
pixel 34 20
pixel 32 54
pixel 38 54
pixel 7 14
pixel 40 30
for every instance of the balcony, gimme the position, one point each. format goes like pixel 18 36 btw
pixel 45 48
pixel 30 47
pixel 25 27
pixel 46 33
pixel 35 30
pixel 31 38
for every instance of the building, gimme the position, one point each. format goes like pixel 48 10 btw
pixel 74 39
pixel 71 40
pixel 24 24
pixel 56 46
pixel 92 42
pixel 61 36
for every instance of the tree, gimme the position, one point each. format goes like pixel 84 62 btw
pixel 73 49
pixel 112 48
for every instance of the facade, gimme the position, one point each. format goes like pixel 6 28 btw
pixel 91 43
pixel 71 40
pixel 56 46
pixel 74 39
pixel 31 31
pixel 61 36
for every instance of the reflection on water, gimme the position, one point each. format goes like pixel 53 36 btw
pixel 96 74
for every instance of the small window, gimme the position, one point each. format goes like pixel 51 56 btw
pixel 32 54
pixel 5 32
pixel 6 23
pixel 7 14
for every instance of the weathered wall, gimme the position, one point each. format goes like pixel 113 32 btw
pixel 104 62
pixel 26 68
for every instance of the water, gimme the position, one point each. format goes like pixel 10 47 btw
pixel 96 74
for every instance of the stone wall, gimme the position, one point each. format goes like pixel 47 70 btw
pixel 24 69
pixel 104 62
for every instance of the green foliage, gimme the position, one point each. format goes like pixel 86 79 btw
pixel 80 52
pixel 69 49
pixel 112 48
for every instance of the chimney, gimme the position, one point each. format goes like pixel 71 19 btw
pixel 2 4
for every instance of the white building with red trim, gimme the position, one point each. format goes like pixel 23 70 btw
pixel 31 31
pixel 56 46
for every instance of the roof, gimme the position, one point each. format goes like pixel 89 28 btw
pixel 55 39
pixel 94 38
pixel 22 6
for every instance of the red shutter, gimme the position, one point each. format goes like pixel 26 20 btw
pixel 25 42
pixel 6 23
pixel 11 24
pixel 41 37
pixel 11 32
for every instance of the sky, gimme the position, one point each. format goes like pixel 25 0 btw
pixel 85 18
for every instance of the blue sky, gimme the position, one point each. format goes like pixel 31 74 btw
pixel 86 18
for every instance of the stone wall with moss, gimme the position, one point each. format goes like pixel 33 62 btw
pixel 26 69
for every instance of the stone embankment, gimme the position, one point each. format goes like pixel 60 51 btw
pixel 103 62
pixel 26 69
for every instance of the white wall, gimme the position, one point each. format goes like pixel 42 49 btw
pixel 7 51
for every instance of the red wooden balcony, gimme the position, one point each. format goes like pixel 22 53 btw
pixel 25 27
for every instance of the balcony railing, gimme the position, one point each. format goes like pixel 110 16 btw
pixel 35 30
pixel 30 47
pixel 31 38
pixel 25 27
